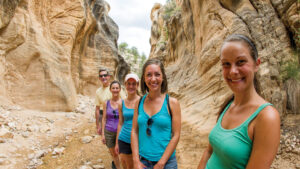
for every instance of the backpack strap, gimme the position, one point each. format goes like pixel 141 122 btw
pixel 169 107
pixel 170 112
pixel 140 103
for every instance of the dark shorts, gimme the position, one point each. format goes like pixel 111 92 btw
pixel 124 148
pixel 110 138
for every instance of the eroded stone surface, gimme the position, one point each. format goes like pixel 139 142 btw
pixel 189 43
pixel 52 50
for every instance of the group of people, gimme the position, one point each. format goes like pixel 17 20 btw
pixel 143 131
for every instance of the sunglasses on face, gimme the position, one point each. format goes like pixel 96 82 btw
pixel 149 123
pixel 115 114
pixel 105 75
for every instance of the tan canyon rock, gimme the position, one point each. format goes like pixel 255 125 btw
pixel 51 50
pixel 187 35
pixel 189 43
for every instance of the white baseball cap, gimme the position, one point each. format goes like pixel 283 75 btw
pixel 132 76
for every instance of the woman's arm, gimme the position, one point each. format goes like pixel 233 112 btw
pixel 205 156
pixel 97 114
pixel 121 120
pixel 266 137
pixel 176 128
pixel 104 122
pixel 134 139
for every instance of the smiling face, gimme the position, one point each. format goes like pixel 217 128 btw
pixel 115 89
pixel 131 86
pixel 238 66
pixel 104 78
pixel 153 77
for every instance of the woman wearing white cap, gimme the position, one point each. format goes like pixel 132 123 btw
pixel 126 110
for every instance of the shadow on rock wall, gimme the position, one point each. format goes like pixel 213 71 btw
pixel 52 50
pixel 188 38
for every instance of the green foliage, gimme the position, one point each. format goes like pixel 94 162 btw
pixel 135 53
pixel 133 56
pixel 142 62
pixel 143 58
pixel 170 9
pixel 123 46
pixel 291 69
pixel 166 33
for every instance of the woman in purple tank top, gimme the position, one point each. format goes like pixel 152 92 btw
pixel 110 121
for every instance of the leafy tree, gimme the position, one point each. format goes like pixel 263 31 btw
pixel 143 58
pixel 123 46
pixel 133 57
pixel 135 53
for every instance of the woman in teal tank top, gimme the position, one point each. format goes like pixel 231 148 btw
pixel 247 132
pixel 126 110
pixel 155 127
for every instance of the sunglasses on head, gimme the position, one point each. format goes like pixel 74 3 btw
pixel 105 75
pixel 149 123
pixel 115 114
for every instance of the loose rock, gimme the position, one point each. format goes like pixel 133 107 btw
pixel 98 166
pixel 86 139
pixel 58 151
pixel 85 167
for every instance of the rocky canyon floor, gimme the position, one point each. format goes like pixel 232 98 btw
pixel 68 140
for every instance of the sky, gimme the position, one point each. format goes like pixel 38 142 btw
pixel 133 19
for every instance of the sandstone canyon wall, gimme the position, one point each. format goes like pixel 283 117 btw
pixel 189 39
pixel 52 50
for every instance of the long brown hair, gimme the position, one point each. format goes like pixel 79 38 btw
pixel 164 85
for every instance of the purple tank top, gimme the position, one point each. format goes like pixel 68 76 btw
pixel 112 118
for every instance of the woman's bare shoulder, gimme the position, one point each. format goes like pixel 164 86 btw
pixel 173 100
pixel 269 114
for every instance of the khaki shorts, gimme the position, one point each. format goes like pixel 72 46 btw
pixel 110 138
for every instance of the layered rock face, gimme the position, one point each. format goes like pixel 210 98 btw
pixel 189 43
pixel 51 50
pixel 188 34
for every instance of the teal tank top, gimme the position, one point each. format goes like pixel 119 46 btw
pixel 125 133
pixel 231 147
pixel 152 147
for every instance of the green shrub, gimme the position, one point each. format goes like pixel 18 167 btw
pixel 123 46
pixel 291 69
pixel 132 56
pixel 170 9
pixel 166 33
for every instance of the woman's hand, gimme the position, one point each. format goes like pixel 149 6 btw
pixel 103 139
pixel 117 149
pixel 99 130
pixel 139 165
pixel 159 165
